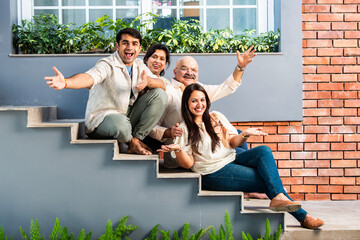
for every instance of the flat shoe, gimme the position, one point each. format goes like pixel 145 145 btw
pixel 311 222
pixel 284 205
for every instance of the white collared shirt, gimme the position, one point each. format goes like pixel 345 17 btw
pixel 111 90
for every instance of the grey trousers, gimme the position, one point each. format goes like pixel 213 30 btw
pixel 140 118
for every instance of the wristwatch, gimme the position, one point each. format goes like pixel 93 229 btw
pixel 239 68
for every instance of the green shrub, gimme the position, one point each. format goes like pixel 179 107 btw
pixel 44 35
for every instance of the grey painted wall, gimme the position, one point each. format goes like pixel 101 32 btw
pixel 43 176
pixel 271 89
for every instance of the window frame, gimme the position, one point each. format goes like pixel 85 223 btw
pixel 265 11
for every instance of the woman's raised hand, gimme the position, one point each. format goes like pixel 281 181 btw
pixel 254 132
pixel 169 148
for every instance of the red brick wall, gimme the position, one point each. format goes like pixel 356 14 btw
pixel 318 158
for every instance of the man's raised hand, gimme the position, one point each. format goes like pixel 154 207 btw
pixel 57 82
pixel 245 58
pixel 176 131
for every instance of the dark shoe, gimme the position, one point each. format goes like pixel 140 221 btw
pixel 311 222
pixel 284 205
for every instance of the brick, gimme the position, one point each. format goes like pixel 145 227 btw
pixel 352 34
pixel 281 155
pixel 343 129
pixel 330 189
pixel 330 34
pixel 351 69
pixel 303 138
pixel 310 86
pixel 290 146
pixel 316 180
pixel 309 120
pixel 303 155
pixel 343 95
pixel 309 69
pixel 311 17
pixel 317 197
pixel 282 123
pixel 343 8
pixel 331 172
pixel 345 43
pixel 272 146
pixel 309 35
pixel 322 52
pixel 316 95
pixel 343 163
pixel 309 52
pixel 344 77
pixel 316 129
pixel 317 146
pixel 329 69
pixel 303 188
pixel 297 196
pixel 290 129
pixel 351 1
pixel 343 26
pixel 351 137
pixel 277 138
pixel 352 86
pixel 292 180
pixel 254 139
pixel 317 43
pixel 330 155
pixel 316 112
pixel 303 172
pixel 352 172
pixel 329 17
pixel 316 60
pixel 352 120
pixel 352 103
pixel 284 172
pixel 330 1
pixel 330 86
pixel 316 9
pixel 351 52
pixel 351 189
pixel 352 17
pixel 342 180
pixel 343 60
pixel 329 138
pixel 308 1
pixel 317 77
pixel 343 146
pixel 343 112
pixel 352 155
pixel 330 120
pixel 269 130
pixel 343 197
pixel 317 163
pixel 290 164
pixel 330 103
pixel 358 181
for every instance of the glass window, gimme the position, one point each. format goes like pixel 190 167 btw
pixel 127 2
pixel 244 2
pixel 218 18
pixel 77 16
pixel 94 14
pixel 73 2
pixel 100 3
pixel 217 2
pixel 46 11
pixel 244 18
pixel 46 2
pixel 127 14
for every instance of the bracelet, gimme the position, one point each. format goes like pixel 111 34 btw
pixel 65 82
pixel 239 68
pixel 178 150
pixel 243 136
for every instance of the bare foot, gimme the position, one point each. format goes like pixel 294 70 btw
pixel 256 195
pixel 136 146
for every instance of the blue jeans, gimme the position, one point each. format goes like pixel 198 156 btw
pixel 253 170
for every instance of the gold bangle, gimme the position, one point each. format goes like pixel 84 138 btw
pixel 243 136
pixel 178 150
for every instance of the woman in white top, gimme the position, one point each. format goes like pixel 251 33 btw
pixel 207 146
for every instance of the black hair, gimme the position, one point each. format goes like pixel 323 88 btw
pixel 131 31
pixel 194 137
pixel 151 51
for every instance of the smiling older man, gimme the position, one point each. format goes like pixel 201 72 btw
pixel 186 72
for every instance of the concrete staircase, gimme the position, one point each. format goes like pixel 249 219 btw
pixel 46 117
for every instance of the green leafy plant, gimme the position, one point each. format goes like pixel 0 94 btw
pixel 2 234
pixel 267 235
pixel 120 231
pixel 45 35
pixel 225 233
